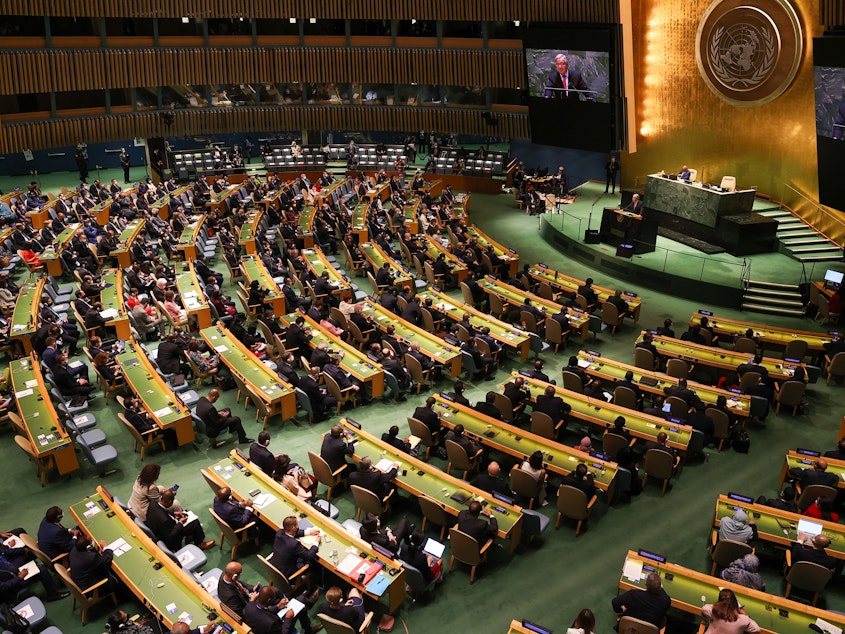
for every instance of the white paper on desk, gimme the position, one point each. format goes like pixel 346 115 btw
pixel 583 363
pixel 221 348
pixel 348 564
pixel 91 512
pixel 311 540
pixel 384 465
pixel 23 393
pixel 32 383
pixel 830 628
pixel 262 500
pixel 14 542
pixel 416 440
pixel 109 313
pixel 185 618
pixel 31 569
pixel 191 517
pixel 633 570
pixel 75 364
pixel 119 546
pixel 164 411
pixel 294 605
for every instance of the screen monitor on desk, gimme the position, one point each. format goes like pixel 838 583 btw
pixel 809 528
pixel 833 278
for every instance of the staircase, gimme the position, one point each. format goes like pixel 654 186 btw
pixel 772 298
pixel 798 239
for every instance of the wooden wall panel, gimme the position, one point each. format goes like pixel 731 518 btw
pixel 831 13
pixel 463 10
pixel 91 69
pixel 16 137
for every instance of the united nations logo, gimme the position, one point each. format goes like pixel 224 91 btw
pixel 748 55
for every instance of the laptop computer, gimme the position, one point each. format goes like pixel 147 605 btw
pixel 434 548
pixel 809 528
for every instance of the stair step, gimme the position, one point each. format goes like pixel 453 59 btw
pixel 775 212
pixel 773 301
pixel 790 223
pixel 821 250
pixel 796 233
pixel 761 283
pixel 760 308
pixel 796 242
pixel 791 293
pixel 834 257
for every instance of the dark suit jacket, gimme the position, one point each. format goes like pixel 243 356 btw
pixel 266 620
pixel 87 567
pixel 575 82
pixel 164 526
pixel 334 452
pixel 373 480
pixel 288 554
pixel 429 417
pixel 169 355
pixel 262 457
pixel 554 406
pixel 808 477
pixel 486 482
pixel 232 596
pixel 54 539
pixel 488 409
pixel 516 395
pixel 232 514
pixel 476 527
pixel 209 414
pixel 809 553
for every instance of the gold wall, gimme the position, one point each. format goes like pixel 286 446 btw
pixel 680 121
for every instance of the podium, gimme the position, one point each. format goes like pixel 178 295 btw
pixel 622 227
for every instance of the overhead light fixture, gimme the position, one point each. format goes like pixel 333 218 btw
pixel 185 20
pixel 516 22
pixel 293 20
pixel 312 20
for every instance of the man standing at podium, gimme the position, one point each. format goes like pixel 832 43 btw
pixel 566 84
pixel 635 206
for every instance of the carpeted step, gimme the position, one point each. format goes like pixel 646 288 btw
pixel 772 310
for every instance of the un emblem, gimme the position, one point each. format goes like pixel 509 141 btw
pixel 748 55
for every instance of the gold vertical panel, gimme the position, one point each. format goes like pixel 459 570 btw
pixel 680 121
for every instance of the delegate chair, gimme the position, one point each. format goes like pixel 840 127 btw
pixel 333 626
pixel 43 465
pixel 677 406
pixel 237 537
pixel 572 382
pixel 813 493
pixel 421 431
pixel 573 503
pixel 467 550
pixel 806 575
pixel 369 502
pixel 835 366
pixel 795 349
pixel 321 470
pixel 612 444
pixel 145 440
pixel 659 465
pixel 85 598
pixel 525 485
pixel 457 457
pixel 677 368
pixel 745 344
pixel 644 359
pixel 629 623
pixel 505 407
pixel 791 394
pixel 554 335
pixel 287 586
pixel 625 397
pixel 749 380
pixel 420 376
pixel 543 425
pixel 610 317
pixel 433 511
pixel 416 585
pixel 728 183
pixel 724 551
pixel 721 425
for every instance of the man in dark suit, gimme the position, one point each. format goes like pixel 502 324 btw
pixel 817 475
pixel 263 614
pixel 235 514
pixel 814 552
pixel 573 367
pixel 170 355
pixel 661 445
pixel 70 385
pixel 518 394
pixel 755 365
pixel 628 382
pixel 384 278
pixel 564 83
pixel 470 523
pixel 335 449
pixel 320 401
pixel 53 538
pixel 553 405
pixel 218 421
pixel 650 605
pixel 582 480
pixel 261 456
pixel 298 337
pixel 647 344
pixel 412 312
pixel 173 528
pixel 682 391
pixel 491 482
pixel 635 206
pixel 426 414
pixel 370 478
pixel 488 407
pixel 389 301
pixel 289 555
pixel 88 566
pixel 785 500
pixel 587 292
pixel 537 372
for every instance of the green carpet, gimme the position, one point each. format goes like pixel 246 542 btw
pixel 548 582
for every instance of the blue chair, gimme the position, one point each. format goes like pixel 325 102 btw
pixel 99 457
pixel 34 606
pixel 209 581
pixel 190 558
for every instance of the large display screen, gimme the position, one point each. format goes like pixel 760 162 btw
pixel 572 86
pixel 829 75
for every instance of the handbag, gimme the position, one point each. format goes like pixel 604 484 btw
pixel 741 441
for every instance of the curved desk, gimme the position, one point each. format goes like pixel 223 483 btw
pixel 766 334
pixel 114 309
pixel 25 315
pixel 568 285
